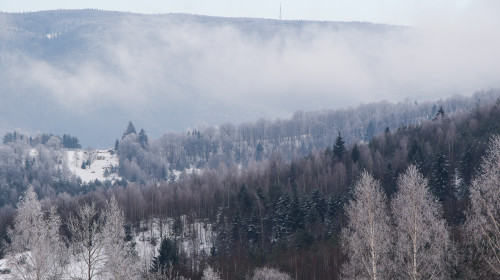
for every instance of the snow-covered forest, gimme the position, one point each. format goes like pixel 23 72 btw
pixel 421 201
pixel 183 146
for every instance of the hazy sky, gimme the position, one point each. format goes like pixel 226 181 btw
pixel 407 12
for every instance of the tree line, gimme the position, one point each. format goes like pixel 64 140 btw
pixel 209 146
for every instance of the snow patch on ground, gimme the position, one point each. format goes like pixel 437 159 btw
pixel 195 240
pixel 97 162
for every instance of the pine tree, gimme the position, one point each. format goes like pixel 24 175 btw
pixel 281 227
pixel 143 139
pixel 130 130
pixel 440 176
pixel 370 131
pixel 339 147
pixel 167 255
pixel 259 152
pixel 319 203
pixel 296 217
pixel 440 114
pixel 355 154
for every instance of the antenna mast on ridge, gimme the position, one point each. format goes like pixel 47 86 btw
pixel 280 11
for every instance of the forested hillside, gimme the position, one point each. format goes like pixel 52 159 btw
pixel 306 132
pixel 299 213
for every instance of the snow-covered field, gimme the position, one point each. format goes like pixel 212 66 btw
pixel 99 160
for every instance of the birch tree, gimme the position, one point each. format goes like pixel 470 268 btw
pixel 37 251
pixel 121 259
pixel 367 237
pixel 483 218
pixel 88 242
pixel 422 240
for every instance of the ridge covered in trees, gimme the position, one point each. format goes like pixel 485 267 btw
pixel 299 215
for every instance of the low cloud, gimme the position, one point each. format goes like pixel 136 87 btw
pixel 249 67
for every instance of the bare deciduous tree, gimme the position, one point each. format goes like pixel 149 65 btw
pixel 483 218
pixel 367 237
pixel 88 241
pixel 423 246
pixel 37 251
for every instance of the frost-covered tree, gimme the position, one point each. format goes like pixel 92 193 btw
pixel 483 217
pixel 367 237
pixel 210 274
pixel 88 241
pixel 423 247
pixel 121 258
pixel 37 251
pixel 266 273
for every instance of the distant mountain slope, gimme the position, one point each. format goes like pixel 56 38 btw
pixel 88 72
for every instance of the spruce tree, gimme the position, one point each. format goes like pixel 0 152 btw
pixel 143 139
pixel 355 154
pixel 440 176
pixel 167 255
pixel 339 147
pixel 130 130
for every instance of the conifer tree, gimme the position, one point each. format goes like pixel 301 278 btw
pixel 355 154
pixel 143 139
pixel 339 147
pixel 167 255
pixel 130 130
pixel 440 176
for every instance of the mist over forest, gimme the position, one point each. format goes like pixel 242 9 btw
pixel 87 72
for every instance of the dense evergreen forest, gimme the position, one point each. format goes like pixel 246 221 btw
pixel 292 201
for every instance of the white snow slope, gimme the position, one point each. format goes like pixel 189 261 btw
pixel 99 160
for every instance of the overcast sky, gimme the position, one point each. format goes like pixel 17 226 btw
pixel 406 12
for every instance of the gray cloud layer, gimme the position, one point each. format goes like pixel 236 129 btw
pixel 216 70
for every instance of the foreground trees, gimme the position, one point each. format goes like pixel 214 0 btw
pixel 98 240
pixel 88 241
pixel 483 217
pixel 36 249
pixel 121 258
pixel 367 237
pixel 421 248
